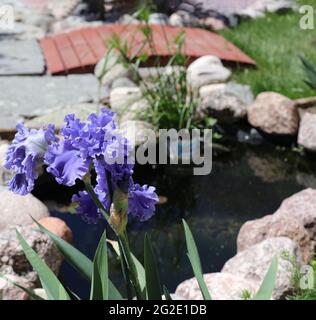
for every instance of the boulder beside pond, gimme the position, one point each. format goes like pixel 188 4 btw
pixel 307 130
pixel 123 97
pixel 207 70
pixel 11 252
pixel 57 227
pixel 243 92
pixel 253 263
pixel 255 231
pixel 227 102
pixel 18 210
pixel 222 286
pixel 8 291
pixel 274 113
pixel 225 107
pixel 302 207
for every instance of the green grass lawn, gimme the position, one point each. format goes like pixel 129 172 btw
pixel 275 42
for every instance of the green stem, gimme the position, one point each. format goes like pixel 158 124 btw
pixel 126 274
pixel 131 265
pixel 126 253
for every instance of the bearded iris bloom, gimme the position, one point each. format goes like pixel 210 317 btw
pixel 84 146
pixel 142 201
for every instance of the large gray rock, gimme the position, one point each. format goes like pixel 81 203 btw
pixel 128 19
pixel 222 286
pixel 207 70
pixel 227 102
pixel 21 58
pixel 136 131
pixel 253 263
pixel 307 130
pixel 137 111
pixel 116 72
pixel 274 114
pixel 18 210
pixel 243 92
pixel 158 18
pixel 255 231
pixel 302 207
pixel 13 259
pixel 8 291
pixel 151 74
pixel 183 19
pixel 225 107
pixel 109 68
pixel 122 98
pixel 123 82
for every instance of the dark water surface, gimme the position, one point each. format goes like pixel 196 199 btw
pixel 247 183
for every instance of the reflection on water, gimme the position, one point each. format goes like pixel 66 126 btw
pixel 245 184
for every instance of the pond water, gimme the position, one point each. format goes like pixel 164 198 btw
pixel 246 183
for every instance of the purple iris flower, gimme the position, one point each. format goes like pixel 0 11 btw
pixel 142 201
pixel 25 156
pixel 65 163
pixel 84 143
pixel 87 209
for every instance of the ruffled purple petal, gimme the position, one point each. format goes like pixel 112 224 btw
pixel 142 201
pixel 25 155
pixel 102 189
pixel 21 185
pixel 65 163
pixel 87 208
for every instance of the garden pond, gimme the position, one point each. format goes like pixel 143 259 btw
pixel 246 183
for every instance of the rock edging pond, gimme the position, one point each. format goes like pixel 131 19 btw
pixel 289 232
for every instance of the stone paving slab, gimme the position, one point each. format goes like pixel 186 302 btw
pixel 57 116
pixel 21 58
pixel 33 96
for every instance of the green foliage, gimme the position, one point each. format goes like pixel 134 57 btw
pixel 310 71
pixel 99 283
pixel 246 295
pixel 153 285
pixel 195 261
pixel 299 293
pixel 268 284
pixel 53 288
pixel 166 294
pixel 141 278
pixel 78 260
pixel 275 41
